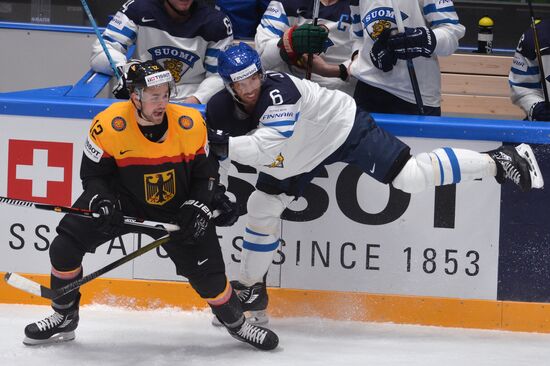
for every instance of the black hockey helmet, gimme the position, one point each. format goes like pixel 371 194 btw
pixel 146 74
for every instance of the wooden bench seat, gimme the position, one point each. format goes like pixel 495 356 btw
pixel 477 85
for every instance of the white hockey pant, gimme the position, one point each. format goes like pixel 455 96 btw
pixel 443 166
pixel 261 238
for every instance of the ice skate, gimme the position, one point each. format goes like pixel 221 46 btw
pixel 519 165
pixel 259 337
pixel 254 300
pixel 55 328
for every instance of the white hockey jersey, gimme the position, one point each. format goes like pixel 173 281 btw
pixel 524 75
pixel 281 15
pixel 188 49
pixel 371 17
pixel 295 125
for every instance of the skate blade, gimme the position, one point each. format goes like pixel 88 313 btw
pixel 526 152
pixel 258 317
pixel 56 338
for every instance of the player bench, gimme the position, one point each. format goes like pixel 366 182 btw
pixel 477 85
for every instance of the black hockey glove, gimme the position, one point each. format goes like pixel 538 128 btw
pixel 218 142
pixel 111 219
pixel 383 58
pixel 193 220
pixel 299 40
pixel 415 42
pixel 120 91
pixel 540 112
pixel 227 210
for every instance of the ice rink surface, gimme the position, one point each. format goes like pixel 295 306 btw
pixel 116 336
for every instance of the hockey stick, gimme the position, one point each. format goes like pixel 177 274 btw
pixel 87 213
pixel 410 64
pixel 537 51
pixel 34 288
pixel 316 5
pixel 100 38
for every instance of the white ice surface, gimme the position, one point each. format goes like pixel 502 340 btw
pixel 117 336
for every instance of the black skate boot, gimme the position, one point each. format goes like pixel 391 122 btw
pixel 231 315
pixel 259 337
pixel 58 327
pixel 254 300
pixel 55 328
pixel 519 165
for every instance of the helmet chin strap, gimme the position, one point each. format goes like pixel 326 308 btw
pixel 179 12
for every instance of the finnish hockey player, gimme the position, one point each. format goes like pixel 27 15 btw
pixel 525 77
pixel 146 158
pixel 184 36
pixel 285 17
pixel 432 30
pixel 288 129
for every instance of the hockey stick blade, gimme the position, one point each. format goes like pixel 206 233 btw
pixel 34 288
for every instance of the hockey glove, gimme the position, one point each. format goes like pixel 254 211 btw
pixel 120 91
pixel 540 112
pixel 383 58
pixel 111 219
pixel 193 220
pixel 218 142
pixel 228 211
pixel 299 40
pixel 413 43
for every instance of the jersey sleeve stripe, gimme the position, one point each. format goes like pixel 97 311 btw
pixel 211 68
pixel 283 19
pixel 126 32
pixel 286 134
pixel 444 21
pixel 526 85
pixel 431 8
pixel 533 70
pixel 112 40
pixel 212 52
pixel 272 29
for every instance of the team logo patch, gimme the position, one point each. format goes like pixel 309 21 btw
pixel 379 19
pixel 278 162
pixel 176 60
pixel 160 187
pixel 186 122
pixel 118 123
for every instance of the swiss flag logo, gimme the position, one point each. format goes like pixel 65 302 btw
pixel 40 171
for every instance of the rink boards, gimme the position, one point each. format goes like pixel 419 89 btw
pixel 472 255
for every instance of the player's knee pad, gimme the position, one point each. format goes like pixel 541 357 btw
pixel 210 285
pixel 416 175
pixel 65 253
pixel 264 211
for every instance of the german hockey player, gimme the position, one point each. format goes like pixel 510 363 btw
pixel 146 158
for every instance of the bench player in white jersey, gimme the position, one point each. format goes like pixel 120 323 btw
pixel 524 75
pixel 288 129
pixel 283 17
pixel 432 29
pixel 184 36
